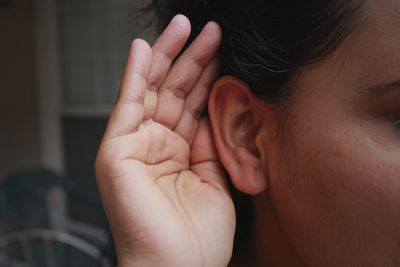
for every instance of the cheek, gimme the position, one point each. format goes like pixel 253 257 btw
pixel 339 193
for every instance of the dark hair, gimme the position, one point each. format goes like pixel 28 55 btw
pixel 266 41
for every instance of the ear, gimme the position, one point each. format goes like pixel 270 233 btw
pixel 236 127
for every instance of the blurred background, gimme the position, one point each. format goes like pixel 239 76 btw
pixel 60 66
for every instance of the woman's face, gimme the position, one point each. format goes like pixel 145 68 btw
pixel 336 181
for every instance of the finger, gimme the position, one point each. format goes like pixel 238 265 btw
pixel 196 102
pixel 128 111
pixel 185 73
pixel 204 160
pixel 165 50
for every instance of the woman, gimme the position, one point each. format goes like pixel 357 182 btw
pixel 307 123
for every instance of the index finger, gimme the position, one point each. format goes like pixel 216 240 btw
pixel 128 111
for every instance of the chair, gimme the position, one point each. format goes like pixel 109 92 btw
pixel 36 229
pixel 44 248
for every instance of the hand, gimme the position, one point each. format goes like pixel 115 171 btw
pixel 157 169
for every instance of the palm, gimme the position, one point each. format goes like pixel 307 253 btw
pixel 180 207
pixel 172 202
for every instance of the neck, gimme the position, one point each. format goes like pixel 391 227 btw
pixel 267 244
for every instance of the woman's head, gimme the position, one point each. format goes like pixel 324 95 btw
pixel 310 123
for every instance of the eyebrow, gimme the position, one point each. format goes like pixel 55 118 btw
pixel 383 88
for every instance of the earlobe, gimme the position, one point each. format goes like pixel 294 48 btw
pixel 236 127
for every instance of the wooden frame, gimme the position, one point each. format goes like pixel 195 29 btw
pixel 48 83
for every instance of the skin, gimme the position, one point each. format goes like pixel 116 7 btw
pixel 322 166
pixel 339 189
pixel 157 169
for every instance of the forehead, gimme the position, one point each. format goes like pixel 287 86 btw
pixel 369 55
pixel 378 12
pixel 375 44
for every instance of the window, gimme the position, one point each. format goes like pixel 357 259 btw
pixel 82 47
pixel 95 37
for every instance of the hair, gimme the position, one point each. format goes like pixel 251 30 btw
pixel 265 43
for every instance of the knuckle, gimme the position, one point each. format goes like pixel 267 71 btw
pixel 132 100
pixel 166 121
pixel 179 92
pixel 198 61
pixel 152 85
pixel 194 112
